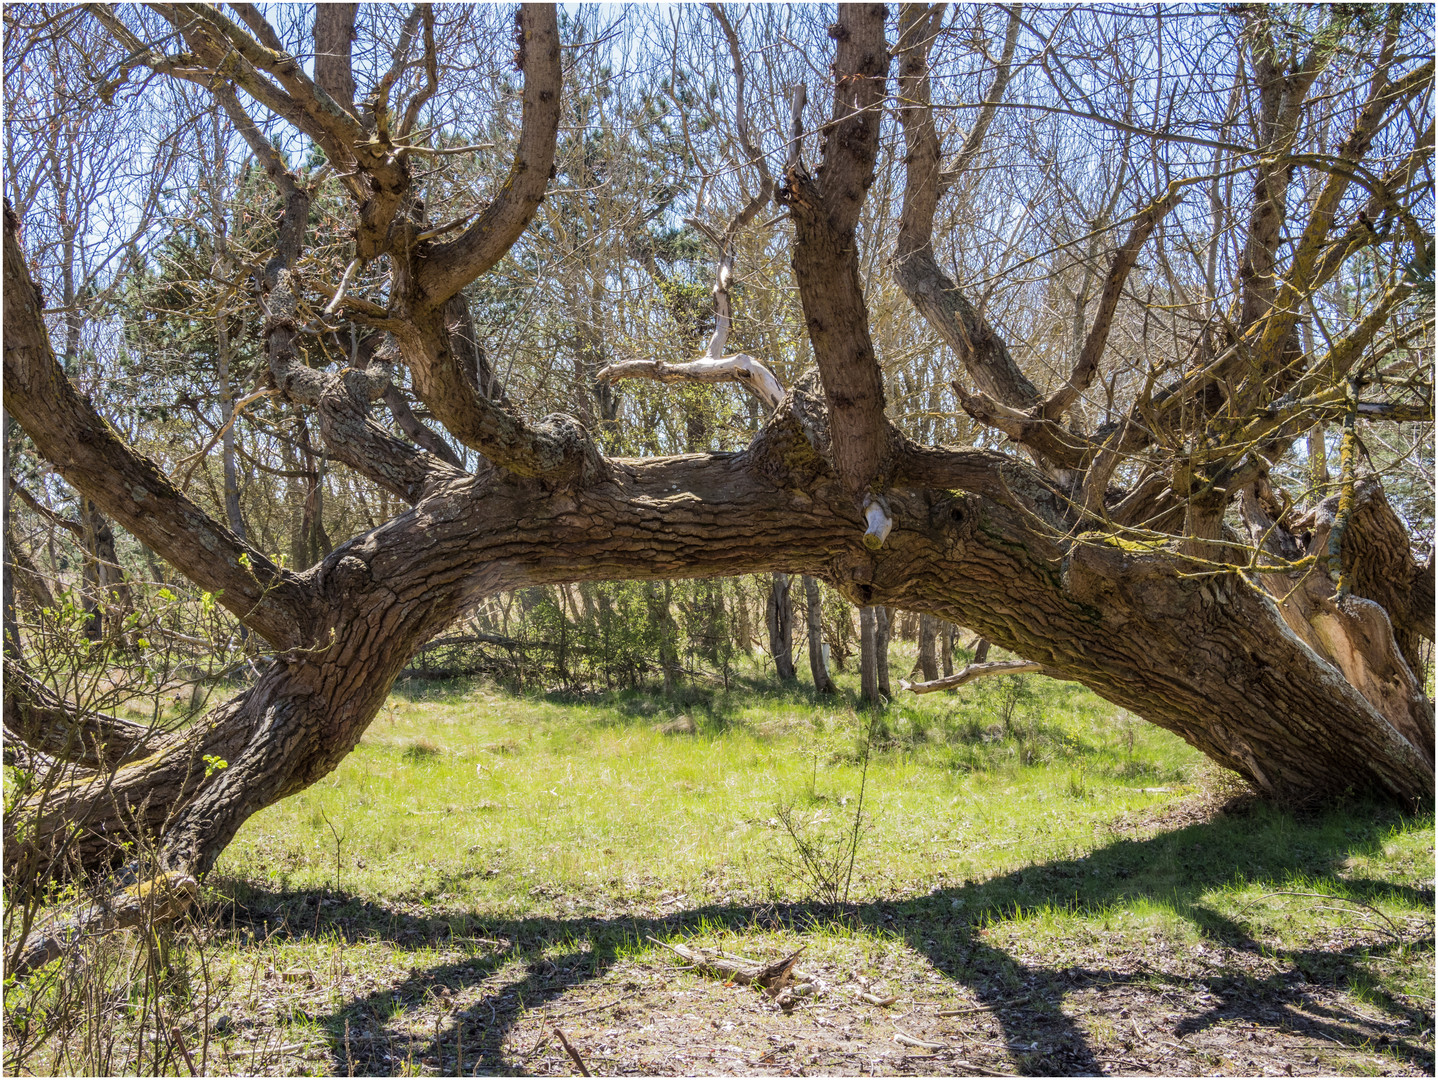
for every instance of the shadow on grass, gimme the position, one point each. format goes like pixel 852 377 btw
pixel 1254 844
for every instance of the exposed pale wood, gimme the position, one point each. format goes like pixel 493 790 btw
pixel 740 368
pixel 879 523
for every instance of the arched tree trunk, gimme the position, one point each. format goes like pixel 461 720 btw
pixel 1261 663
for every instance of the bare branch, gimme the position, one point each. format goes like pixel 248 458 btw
pixel 451 266
pixel 740 368
pixel 1093 347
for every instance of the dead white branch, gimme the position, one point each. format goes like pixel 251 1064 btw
pixel 798 97
pixel 334 305
pixel 740 368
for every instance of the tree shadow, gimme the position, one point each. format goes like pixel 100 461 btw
pixel 550 956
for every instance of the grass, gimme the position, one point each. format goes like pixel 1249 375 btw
pixel 486 866
pixel 464 794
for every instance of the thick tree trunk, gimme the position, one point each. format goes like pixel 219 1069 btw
pixel 814 609
pixel 1304 692
pixel 779 618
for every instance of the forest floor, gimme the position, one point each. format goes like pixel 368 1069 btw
pixel 1040 885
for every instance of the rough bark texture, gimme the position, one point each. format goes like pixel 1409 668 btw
pixel 882 633
pixel 868 657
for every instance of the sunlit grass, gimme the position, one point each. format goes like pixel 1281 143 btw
pixel 464 794
pixel 1021 841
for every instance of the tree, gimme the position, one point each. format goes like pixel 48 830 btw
pixel 1157 558
pixel 818 651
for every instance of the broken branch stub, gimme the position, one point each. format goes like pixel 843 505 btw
pixel 879 523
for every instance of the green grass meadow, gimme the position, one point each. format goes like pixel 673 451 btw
pixel 1041 883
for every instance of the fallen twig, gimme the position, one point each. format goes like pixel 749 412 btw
pixel 573 1053
pixel 905 1039
pixel 772 977
pixel 586 1009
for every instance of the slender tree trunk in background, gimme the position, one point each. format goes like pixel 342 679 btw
pixel 868 658
pixel 883 622
pixel 1318 461
pixel 660 596
pixel 233 516
pixel 814 609
pixel 926 666
pixel 10 645
pixel 981 650
pixel 946 647
pixel 21 572
pixel 779 617
pixel 744 632
pixel 95 526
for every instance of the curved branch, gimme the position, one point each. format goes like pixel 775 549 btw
pixel 1123 261
pixel 453 265
pixel 972 672
pixel 129 487
pixel 825 212
pixel 916 270
pixel 45 722
pixel 740 368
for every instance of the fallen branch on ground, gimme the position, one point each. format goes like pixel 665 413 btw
pixel 779 978
pixel 573 1053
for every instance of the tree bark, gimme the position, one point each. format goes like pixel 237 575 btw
pixel 882 627
pixel 1261 666
pixel 814 608
pixel 868 657
pixel 744 631
pixel 926 666
pixel 779 618
pixel 10 628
